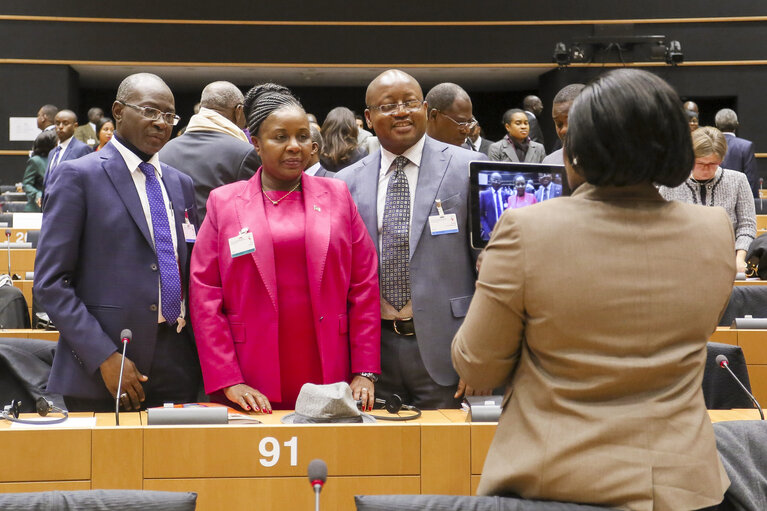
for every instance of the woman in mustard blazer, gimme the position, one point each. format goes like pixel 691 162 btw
pixel 284 276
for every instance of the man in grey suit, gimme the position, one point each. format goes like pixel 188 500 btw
pixel 214 150
pixel 413 197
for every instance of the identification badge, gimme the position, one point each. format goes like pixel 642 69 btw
pixel 189 233
pixel 242 243
pixel 442 223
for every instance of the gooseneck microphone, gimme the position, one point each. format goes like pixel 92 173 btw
pixel 722 361
pixel 8 246
pixel 318 474
pixel 125 337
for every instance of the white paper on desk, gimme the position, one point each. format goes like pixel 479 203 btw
pixel 71 422
pixel 22 129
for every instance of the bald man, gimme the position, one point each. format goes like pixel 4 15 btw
pixel 113 254
pixel 214 149
pixel 450 117
pixel 426 269
pixel 533 107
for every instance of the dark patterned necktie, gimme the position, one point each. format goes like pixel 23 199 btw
pixel 395 238
pixel 170 280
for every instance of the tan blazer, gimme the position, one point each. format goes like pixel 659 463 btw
pixel 597 309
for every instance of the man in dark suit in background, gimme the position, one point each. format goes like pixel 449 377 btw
pixel 398 190
pixel 68 148
pixel 112 255
pixel 533 106
pixel 450 118
pixel 740 152
pixel 477 141
pixel 493 201
pixel 214 150
pixel 45 117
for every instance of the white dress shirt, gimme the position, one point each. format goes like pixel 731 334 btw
pixel 313 169
pixel 62 148
pixel 139 180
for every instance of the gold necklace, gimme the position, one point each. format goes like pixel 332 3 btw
pixel 275 202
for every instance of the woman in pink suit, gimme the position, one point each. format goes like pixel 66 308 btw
pixel 284 278
pixel 520 198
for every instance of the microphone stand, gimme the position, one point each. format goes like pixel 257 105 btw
pixel 120 382
pixel 8 246
pixel 725 364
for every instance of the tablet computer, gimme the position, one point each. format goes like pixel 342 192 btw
pixel 497 186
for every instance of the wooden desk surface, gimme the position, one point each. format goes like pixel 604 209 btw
pixel 235 466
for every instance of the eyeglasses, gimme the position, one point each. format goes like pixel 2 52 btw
pixel 153 114
pixel 466 126
pixel 389 108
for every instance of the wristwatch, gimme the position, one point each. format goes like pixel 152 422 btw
pixel 370 376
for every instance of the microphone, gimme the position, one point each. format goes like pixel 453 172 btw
pixel 125 337
pixel 318 474
pixel 8 245
pixel 722 361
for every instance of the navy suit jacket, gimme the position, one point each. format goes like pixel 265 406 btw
pixel 487 215
pixel 96 271
pixel 442 270
pixel 740 157
pixel 74 150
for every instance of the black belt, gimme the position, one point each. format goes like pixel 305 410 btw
pixel 404 327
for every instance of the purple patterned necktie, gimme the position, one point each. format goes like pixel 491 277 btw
pixel 395 238
pixel 55 158
pixel 170 280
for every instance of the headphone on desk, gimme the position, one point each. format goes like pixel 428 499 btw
pixel 44 406
pixel 394 405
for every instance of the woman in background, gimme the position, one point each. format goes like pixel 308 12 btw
pixel 711 185
pixel 105 128
pixel 595 310
pixel 284 275
pixel 339 137
pixel 516 146
pixel 34 173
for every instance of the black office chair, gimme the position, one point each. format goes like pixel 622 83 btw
pixel 7 219
pixel 33 237
pixel 720 391
pixel 14 207
pixel 101 500
pixel 745 300
pixel 461 503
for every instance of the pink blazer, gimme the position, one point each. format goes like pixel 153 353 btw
pixel 234 300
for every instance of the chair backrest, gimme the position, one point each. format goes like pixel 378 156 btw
pixel 720 391
pixel 745 300
pixel 461 503
pixel 102 500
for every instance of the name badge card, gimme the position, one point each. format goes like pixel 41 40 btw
pixel 189 233
pixel 242 243
pixel 442 223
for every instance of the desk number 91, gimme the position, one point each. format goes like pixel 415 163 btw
pixel 269 448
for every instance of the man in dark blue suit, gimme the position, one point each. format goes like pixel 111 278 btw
pixel 68 148
pixel 740 152
pixel 113 255
pixel 548 189
pixel 492 202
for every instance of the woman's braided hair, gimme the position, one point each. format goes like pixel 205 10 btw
pixel 262 100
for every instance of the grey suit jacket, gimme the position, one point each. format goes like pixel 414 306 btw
pixel 503 150
pixel 441 267
pixel 211 159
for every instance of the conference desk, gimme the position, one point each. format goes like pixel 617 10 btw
pixel 259 466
